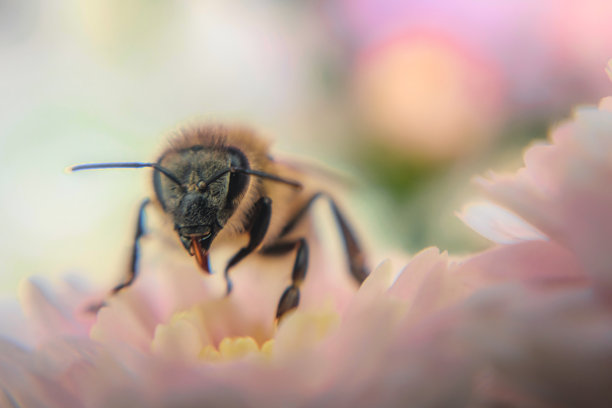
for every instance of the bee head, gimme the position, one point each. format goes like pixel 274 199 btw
pixel 203 194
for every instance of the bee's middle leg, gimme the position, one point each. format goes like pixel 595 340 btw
pixel 290 298
pixel 353 251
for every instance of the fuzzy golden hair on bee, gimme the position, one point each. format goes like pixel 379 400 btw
pixel 214 182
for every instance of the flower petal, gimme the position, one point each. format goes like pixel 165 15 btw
pixel 48 317
pixel 498 224
pixel 561 190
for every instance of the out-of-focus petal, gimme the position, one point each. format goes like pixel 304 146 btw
pixel 377 283
pixel 609 69
pixel 539 263
pixel 498 224
pixel 554 346
pixel 44 377
pixel 302 330
pixel 606 104
pixel 48 316
pixel 15 327
pixel 561 191
pixel 179 339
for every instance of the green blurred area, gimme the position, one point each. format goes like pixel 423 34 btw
pixel 423 195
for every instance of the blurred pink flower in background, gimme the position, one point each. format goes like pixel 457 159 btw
pixel 428 95
pixel 458 70
pixel 525 323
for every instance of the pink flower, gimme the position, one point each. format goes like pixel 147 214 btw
pixel 547 340
pixel 442 79
pixel 428 94
pixel 562 192
pixel 219 351
pixel 534 49
pixel 526 323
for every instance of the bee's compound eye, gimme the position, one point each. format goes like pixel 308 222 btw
pixel 201 185
pixel 238 181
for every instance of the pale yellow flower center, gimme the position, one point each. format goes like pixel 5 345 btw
pixel 187 337
pixel 235 348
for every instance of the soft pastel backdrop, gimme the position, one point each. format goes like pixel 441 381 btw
pixel 407 98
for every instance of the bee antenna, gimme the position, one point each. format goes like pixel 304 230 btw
pixel 125 165
pixel 253 173
pixel 268 176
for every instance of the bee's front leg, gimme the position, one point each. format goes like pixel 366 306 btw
pixel 140 231
pixel 133 267
pixel 257 231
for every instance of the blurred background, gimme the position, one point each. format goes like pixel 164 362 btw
pixel 408 98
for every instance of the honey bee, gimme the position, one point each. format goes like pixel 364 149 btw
pixel 219 182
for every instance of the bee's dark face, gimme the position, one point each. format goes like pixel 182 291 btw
pixel 199 207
